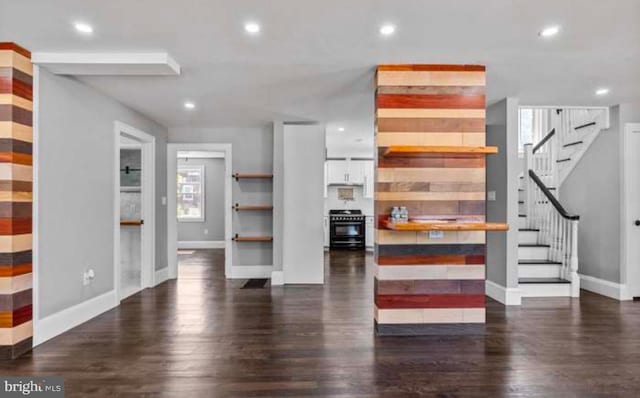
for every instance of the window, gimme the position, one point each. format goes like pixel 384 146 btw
pixel 525 135
pixel 190 193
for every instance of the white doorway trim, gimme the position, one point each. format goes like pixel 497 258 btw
pixel 148 144
pixel 630 198
pixel 172 210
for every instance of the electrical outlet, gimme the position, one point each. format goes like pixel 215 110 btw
pixel 164 200
pixel 206 232
pixel 436 234
pixel 88 276
pixel 491 195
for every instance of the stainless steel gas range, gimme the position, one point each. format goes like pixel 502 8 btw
pixel 347 229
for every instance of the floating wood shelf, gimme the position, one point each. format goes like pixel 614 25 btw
pixel 238 176
pixel 446 226
pixel 415 151
pixel 132 222
pixel 252 238
pixel 237 207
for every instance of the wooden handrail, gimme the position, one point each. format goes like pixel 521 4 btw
pixel 561 210
pixel 544 140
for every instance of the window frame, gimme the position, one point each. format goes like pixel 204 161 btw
pixel 202 169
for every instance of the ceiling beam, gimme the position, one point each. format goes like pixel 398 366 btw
pixel 108 64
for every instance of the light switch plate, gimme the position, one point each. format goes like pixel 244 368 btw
pixel 436 234
pixel 491 195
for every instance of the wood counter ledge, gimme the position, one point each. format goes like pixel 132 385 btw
pixel 445 226
pixel 415 151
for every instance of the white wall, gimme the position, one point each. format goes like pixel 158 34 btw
pixel 75 183
pixel 502 177
pixel 303 204
pixel 593 191
pixel 212 228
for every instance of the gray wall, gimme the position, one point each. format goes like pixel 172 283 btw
pixel 303 202
pixel 252 152
pixel 75 185
pixel 214 203
pixel 502 248
pixel 592 191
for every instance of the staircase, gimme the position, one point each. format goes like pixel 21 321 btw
pixel 547 233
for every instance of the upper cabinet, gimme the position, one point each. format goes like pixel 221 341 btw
pixel 354 172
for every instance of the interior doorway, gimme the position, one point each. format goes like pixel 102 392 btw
pixel 199 201
pixel 631 210
pixel 134 210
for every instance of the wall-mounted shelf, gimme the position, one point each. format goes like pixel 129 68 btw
pixel 252 238
pixel 132 222
pixel 415 151
pixel 238 176
pixel 445 226
pixel 237 207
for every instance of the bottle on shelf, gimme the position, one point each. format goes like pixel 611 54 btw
pixel 404 214
pixel 395 214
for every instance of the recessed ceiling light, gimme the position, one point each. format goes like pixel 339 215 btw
pixel 189 105
pixel 83 27
pixel 387 30
pixel 252 28
pixel 549 31
pixel 602 91
pixel 340 129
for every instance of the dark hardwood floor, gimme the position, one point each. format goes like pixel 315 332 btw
pixel 202 336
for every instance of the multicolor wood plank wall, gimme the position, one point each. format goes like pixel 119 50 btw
pixel 16 138
pixel 430 285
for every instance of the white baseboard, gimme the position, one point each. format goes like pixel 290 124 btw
pixel 201 244
pixel 60 322
pixel 277 278
pixel 606 288
pixel 251 271
pixel 162 275
pixel 506 296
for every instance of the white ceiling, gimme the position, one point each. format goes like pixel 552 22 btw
pixel 314 60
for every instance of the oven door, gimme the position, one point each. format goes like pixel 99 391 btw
pixel 347 234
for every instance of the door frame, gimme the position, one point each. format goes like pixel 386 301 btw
pixel 172 209
pixel 148 208
pixel 630 279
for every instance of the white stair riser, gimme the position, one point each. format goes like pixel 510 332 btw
pixel 545 289
pixel 527 237
pixel 521 195
pixel 522 222
pixel 533 253
pixel 539 271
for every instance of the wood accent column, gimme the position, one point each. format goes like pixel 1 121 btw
pixel 16 176
pixel 430 283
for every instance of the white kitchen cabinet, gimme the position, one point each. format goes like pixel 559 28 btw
pixel 369 179
pixel 369 231
pixel 326 181
pixel 337 172
pixel 326 231
pixel 345 172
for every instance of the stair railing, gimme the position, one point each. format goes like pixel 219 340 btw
pixel 557 228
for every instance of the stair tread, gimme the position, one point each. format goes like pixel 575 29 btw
pixel 543 280
pixel 529 229
pixel 532 245
pixel 573 143
pixel 521 202
pixel 538 262
pixel 522 215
